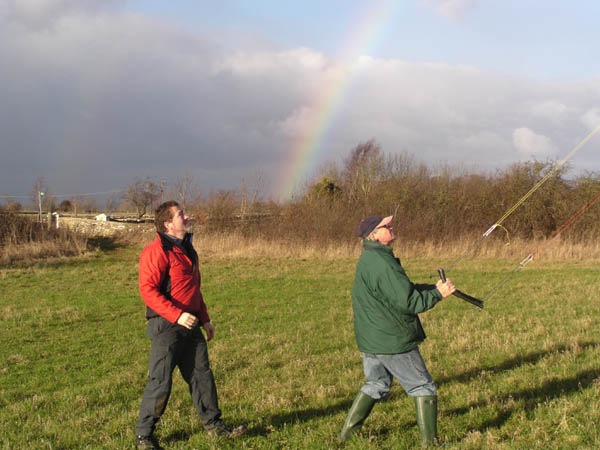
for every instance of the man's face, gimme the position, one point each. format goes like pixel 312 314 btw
pixel 385 234
pixel 178 224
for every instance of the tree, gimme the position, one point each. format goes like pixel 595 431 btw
pixel 141 194
pixel 65 206
pixel 220 207
pixel 40 195
pixel 362 169
pixel 249 202
pixel 186 190
pixel 111 204
pixel 77 203
pixel 11 205
pixel 327 188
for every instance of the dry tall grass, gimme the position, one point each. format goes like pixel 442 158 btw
pixel 23 240
pixel 236 244
pixel 29 252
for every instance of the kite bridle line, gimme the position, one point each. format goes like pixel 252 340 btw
pixel 551 173
pixel 531 256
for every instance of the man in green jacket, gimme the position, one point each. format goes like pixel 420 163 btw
pixel 388 331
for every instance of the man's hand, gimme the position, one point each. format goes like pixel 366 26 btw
pixel 210 330
pixel 446 288
pixel 187 320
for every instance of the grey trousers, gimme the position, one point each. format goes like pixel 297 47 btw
pixel 174 345
pixel 408 368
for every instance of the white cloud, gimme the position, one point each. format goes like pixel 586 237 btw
pixel 485 141
pixel 452 9
pixel 591 119
pixel 251 63
pixel 551 110
pixel 530 143
pixel 295 125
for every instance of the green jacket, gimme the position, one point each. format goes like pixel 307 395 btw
pixel 386 303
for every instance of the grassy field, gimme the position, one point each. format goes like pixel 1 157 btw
pixel 523 373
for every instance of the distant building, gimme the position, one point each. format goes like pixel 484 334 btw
pixel 102 218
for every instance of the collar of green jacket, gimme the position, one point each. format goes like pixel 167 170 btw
pixel 377 246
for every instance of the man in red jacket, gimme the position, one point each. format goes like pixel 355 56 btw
pixel 169 282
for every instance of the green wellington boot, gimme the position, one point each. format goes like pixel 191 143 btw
pixel 359 411
pixel 426 407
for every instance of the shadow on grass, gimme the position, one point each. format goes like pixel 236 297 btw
pixel 509 364
pixel 104 243
pixel 181 435
pixel 277 421
pixel 525 399
pixel 529 399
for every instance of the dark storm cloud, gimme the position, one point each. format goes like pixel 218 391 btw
pixel 93 97
pixel 117 93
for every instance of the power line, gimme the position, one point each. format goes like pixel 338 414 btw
pixel 68 195
pixel 90 194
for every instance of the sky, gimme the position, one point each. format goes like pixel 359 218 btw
pixel 97 93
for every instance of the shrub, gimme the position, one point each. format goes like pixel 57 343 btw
pixel 23 239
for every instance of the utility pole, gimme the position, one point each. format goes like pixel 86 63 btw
pixel 40 195
pixel 162 191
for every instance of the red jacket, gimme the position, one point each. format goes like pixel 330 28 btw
pixel 170 296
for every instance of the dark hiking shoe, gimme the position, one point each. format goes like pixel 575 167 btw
pixel 147 442
pixel 221 429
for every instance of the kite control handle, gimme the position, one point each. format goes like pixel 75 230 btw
pixel 459 294
pixel 442 274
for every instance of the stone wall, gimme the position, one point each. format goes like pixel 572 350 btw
pixel 92 227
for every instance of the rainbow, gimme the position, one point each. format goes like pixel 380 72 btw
pixel 327 102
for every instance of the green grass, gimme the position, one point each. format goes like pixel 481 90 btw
pixel 522 373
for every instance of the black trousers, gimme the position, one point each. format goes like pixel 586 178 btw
pixel 174 345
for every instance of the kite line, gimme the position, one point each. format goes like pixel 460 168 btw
pixel 551 173
pixel 531 256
